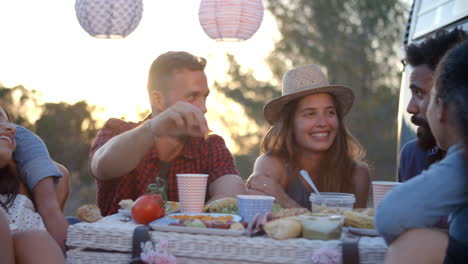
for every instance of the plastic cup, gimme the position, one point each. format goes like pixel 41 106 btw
pixel 192 191
pixel 380 188
pixel 251 205
pixel 331 202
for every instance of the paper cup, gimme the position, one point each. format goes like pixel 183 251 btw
pixel 250 205
pixel 192 190
pixel 380 188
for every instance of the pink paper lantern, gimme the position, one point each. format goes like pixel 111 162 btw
pixel 230 20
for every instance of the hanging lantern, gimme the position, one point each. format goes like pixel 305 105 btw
pixel 109 18
pixel 230 20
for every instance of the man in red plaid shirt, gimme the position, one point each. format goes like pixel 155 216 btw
pixel 126 157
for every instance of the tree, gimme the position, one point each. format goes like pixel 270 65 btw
pixel 245 90
pixel 68 131
pixel 356 43
pixel 21 103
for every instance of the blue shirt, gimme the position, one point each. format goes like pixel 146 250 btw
pixel 413 160
pixel 421 201
pixel 33 159
pixel 459 225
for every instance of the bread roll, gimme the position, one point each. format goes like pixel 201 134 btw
pixel 126 204
pixel 284 228
pixel 89 213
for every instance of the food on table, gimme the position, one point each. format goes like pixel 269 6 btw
pixel 332 203
pixel 324 209
pixel 194 223
pixel 172 206
pixel 205 217
pixel 148 208
pixel 276 207
pixel 223 206
pixel 369 211
pixel 237 226
pixel 322 226
pixel 208 224
pixel 207 134
pixel 89 213
pixel 284 228
pixel 126 204
pixel 359 219
pixel 289 212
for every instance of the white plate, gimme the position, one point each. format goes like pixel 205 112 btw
pixel 168 219
pixel 163 225
pixel 363 231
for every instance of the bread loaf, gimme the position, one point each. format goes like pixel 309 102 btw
pixel 284 228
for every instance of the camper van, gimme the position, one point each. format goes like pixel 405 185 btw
pixel 425 18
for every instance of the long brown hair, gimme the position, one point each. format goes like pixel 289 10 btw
pixel 9 183
pixel 336 169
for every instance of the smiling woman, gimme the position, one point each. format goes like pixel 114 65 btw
pixel 29 240
pixel 308 133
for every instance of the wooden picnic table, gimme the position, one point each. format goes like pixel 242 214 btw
pixel 110 241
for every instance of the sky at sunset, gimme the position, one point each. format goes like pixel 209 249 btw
pixel 44 48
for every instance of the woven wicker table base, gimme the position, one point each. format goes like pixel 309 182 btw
pixel 110 241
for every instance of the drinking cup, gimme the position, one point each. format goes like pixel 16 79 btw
pixel 192 191
pixel 380 188
pixel 250 205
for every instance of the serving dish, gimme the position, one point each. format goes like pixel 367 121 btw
pixel 162 224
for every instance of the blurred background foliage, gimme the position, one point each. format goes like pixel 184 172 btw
pixel 356 42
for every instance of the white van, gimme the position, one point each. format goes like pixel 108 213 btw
pixel 426 17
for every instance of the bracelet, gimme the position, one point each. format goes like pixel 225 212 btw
pixel 154 136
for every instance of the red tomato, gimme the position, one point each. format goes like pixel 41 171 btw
pixel 147 208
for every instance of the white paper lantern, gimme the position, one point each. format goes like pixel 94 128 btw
pixel 230 20
pixel 109 18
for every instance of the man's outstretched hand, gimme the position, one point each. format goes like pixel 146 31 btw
pixel 181 119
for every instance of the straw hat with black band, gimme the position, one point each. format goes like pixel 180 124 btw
pixel 303 81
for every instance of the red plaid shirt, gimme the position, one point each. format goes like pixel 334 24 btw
pixel 209 156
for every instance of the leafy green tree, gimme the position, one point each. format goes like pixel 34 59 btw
pixel 244 89
pixel 68 131
pixel 21 103
pixel 356 42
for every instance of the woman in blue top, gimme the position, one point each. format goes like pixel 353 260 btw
pixel 406 213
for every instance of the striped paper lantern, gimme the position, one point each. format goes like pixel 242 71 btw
pixel 230 20
pixel 109 18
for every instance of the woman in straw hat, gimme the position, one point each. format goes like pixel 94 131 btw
pixel 308 133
